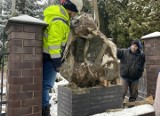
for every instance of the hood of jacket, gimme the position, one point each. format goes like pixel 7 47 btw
pixel 55 11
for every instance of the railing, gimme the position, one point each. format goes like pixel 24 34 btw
pixel 2 72
pixel 143 86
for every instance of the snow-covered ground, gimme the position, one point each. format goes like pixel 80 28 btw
pixel 134 111
pixel 53 100
pixel 4 89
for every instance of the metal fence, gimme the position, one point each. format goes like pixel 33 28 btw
pixel 143 86
pixel 2 71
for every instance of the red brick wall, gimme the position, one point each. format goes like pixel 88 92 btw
pixel 24 73
pixel 152 52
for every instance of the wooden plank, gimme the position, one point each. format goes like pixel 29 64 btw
pixel 148 100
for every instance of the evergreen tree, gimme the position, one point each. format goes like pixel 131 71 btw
pixel 30 7
pixel 130 19
pixel 6 11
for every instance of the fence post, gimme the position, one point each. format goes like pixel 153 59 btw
pixel 24 67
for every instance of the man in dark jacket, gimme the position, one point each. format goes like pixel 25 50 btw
pixel 131 68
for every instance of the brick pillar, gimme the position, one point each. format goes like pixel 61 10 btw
pixel 152 52
pixel 24 69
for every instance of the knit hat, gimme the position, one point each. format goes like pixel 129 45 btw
pixel 67 4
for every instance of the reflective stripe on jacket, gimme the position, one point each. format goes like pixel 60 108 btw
pixel 56 34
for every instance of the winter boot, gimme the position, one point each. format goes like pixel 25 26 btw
pixel 46 111
pixel 131 99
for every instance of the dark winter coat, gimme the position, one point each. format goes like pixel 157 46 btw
pixel 131 64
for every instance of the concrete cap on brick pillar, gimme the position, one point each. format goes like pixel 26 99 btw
pixel 151 35
pixel 25 19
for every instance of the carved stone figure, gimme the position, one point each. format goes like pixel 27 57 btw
pixel 90 57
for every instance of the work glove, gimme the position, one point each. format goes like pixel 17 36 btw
pixel 56 63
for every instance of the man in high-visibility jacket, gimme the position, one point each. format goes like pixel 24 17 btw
pixel 54 41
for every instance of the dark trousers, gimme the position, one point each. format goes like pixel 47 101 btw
pixel 133 89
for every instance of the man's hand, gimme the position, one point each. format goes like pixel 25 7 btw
pixel 56 63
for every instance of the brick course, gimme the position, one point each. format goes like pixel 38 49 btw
pixel 15 27
pixel 32 57
pixel 14 88
pixel 22 111
pixel 33 29
pixel 20 65
pixel 22 35
pixel 15 43
pixel 15 57
pixel 33 43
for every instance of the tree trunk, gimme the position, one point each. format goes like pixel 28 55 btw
pixel 1 6
pixel 23 5
pixel 13 9
pixel 96 12
pixel 103 18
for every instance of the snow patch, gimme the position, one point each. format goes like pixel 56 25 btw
pixel 152 35
pixel 41 2
pixel 134 111
pixel 28 19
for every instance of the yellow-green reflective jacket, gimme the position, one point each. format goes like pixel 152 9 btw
pixel 56 34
